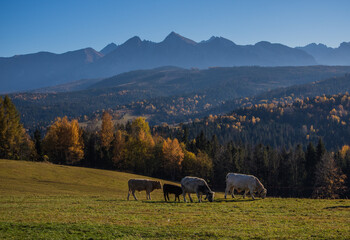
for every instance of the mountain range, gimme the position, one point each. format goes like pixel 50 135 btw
pixel 44 69
pixel 329 56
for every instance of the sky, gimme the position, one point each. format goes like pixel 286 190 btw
pixel 29 26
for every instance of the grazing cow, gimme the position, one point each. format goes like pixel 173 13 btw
pixel 143 185
pixel 242 182
pixel 169 188
pixel 198 186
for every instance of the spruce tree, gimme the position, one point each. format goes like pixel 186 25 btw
pixel 38 144
pixel 14 142
pixel 310 167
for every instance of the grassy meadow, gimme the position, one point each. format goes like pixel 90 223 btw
pixel 46 201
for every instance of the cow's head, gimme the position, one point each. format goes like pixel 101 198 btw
pixel 157 185
pixel 210 196
pixel 263 193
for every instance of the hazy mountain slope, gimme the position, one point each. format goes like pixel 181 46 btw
pixel 69 87
pixel 23 72
pixel 192 91
pixel 108 49
pixel 329 56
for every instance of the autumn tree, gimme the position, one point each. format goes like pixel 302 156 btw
pixel 139 147
pixel 106 138
pixel 343 160
pixel 189 163
pixel 63 142
pixel 173 157
pixel 118 148
pixel 107 130
pixel 205 166
pixel 329 181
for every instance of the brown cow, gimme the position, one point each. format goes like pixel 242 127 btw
pixel 143 185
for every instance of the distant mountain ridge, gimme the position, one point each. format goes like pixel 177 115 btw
pixel 327 55
pixel 176 50
pixel 43 69
pixel 24 72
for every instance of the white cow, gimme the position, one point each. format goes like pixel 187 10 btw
pixel 198 186
pixel 242 182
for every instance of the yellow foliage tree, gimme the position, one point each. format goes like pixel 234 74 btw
pixel 139 147
pixel 107 130
pixel 118 151
pixel 173 157
pixel 63 142
pixel 344 150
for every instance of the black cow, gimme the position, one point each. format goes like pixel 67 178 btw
pixel 169 188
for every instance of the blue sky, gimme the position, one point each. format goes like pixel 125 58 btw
pixel 28 26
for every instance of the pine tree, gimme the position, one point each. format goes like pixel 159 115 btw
pixel 38 144
pixel 320 150
pixel 14 141
pixel 310 167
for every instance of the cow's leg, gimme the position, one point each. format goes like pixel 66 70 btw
pixel 251 194
pixel 227 190
pixel 245 193
pixel 199 196
pixel 149 195
pixel 165 196
pixel 189 196
pixel 133 193
pixel 184 195
pixel 232 192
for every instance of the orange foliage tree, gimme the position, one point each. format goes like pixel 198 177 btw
pixel 173 157
pixel 107 130
pixel 63 142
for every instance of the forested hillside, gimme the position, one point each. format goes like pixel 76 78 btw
pixel 282 123
pixel 169 94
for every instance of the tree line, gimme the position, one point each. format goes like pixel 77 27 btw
pixel 299 171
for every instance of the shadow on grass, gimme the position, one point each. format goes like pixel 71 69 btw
pixel 112 200
pixel 237 200
pixel 337 207
pixel 161 201
pixel 204 201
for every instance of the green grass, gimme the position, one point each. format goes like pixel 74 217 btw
pixel 46 201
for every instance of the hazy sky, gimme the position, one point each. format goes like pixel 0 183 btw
pixel 28 26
